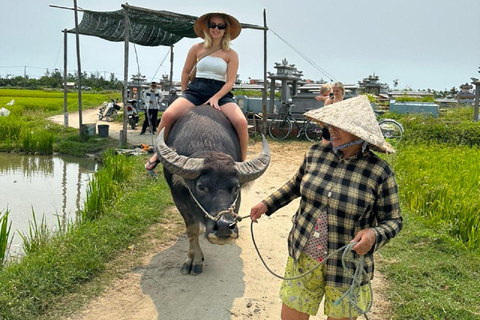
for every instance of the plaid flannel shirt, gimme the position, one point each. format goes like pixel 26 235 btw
pixel 359 193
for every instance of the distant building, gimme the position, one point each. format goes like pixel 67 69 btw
pixel 466 95
pixel 372 85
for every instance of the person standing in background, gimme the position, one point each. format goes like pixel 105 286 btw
pixel 152 98
pixel 338 93
pixel 325 90
pixel 335 95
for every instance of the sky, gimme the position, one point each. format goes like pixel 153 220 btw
pixel 423 43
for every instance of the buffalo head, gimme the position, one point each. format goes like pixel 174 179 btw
pixel 214 182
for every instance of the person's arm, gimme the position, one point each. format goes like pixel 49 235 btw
pixel 160 97
pixel 190 62
pixel 389 219
pixel 232 68
pixel 328 101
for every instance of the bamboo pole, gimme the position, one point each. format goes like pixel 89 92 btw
pixel 265 85
pixel 79 66
pixel 123 133
pixel 477 98
pixel 171 68
pixel 65 109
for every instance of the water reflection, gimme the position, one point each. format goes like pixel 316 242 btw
pixel 53 186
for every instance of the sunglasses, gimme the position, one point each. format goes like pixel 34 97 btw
pixel 220 26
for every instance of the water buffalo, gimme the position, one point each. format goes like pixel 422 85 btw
pixel 202 165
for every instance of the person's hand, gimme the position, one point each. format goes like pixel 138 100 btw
pixel 366 240
pixel 257 211
pixel 213 101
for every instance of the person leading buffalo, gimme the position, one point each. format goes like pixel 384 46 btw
pixel 348 195
pixel 216 70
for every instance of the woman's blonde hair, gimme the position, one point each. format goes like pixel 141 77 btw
pixel 207 40
pixel 325 88
pixel 340 86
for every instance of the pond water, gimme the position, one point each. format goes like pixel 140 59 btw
pixel 54 187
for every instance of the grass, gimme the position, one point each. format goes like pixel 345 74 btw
pixel 5 240
pixel 27 129
pixel 430 275
pixel 441 183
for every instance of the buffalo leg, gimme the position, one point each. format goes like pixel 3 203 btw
pixel 194 263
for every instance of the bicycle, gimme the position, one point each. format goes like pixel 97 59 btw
pixel 281 127
pixel 391 129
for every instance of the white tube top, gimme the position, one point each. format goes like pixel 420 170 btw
pixel 212 68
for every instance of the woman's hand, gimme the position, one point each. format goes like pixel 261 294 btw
pixel 366 240
pixel 213 101
pixel 257 211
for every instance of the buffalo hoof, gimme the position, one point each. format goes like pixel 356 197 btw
pixel 191 268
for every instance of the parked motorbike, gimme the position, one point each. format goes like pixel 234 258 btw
pixel 109 110
pixel 132 112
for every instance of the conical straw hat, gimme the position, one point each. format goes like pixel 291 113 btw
pixel 234 27
pixel 355 116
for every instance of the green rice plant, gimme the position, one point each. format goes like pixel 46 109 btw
pixel 5 242
pixel 28 142
pixel 10 129
pixel 102 187
pixel 96 196
pixel 117 165
pixel 455 126
pixel 45 141
pixel 441 183
pixel 38 236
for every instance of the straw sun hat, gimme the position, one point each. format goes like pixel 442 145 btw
pixel 355 116
pixel 234 27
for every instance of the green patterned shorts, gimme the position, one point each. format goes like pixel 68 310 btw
pixel 306 293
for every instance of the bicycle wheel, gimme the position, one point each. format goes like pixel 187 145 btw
pixel 313 131
pixel 280 128
pixel 391 129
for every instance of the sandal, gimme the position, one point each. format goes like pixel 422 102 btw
pixel 151 165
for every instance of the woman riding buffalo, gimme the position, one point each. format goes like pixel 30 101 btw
pixel 215 77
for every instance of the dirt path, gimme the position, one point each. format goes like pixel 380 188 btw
pixel 234 283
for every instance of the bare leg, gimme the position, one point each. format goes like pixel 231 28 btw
pixel 173 112
pixel 237 118
pixel 292 314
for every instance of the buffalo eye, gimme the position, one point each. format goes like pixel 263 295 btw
pixel 201 187
pixel 235 190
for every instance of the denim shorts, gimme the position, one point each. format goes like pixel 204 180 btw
pixel 200 90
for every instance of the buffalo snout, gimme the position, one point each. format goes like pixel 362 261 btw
pixel 224 231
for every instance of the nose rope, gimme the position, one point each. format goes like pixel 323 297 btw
pixel 221 213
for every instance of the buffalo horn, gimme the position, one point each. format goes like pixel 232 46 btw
pixel 252 169
pixel 188 168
